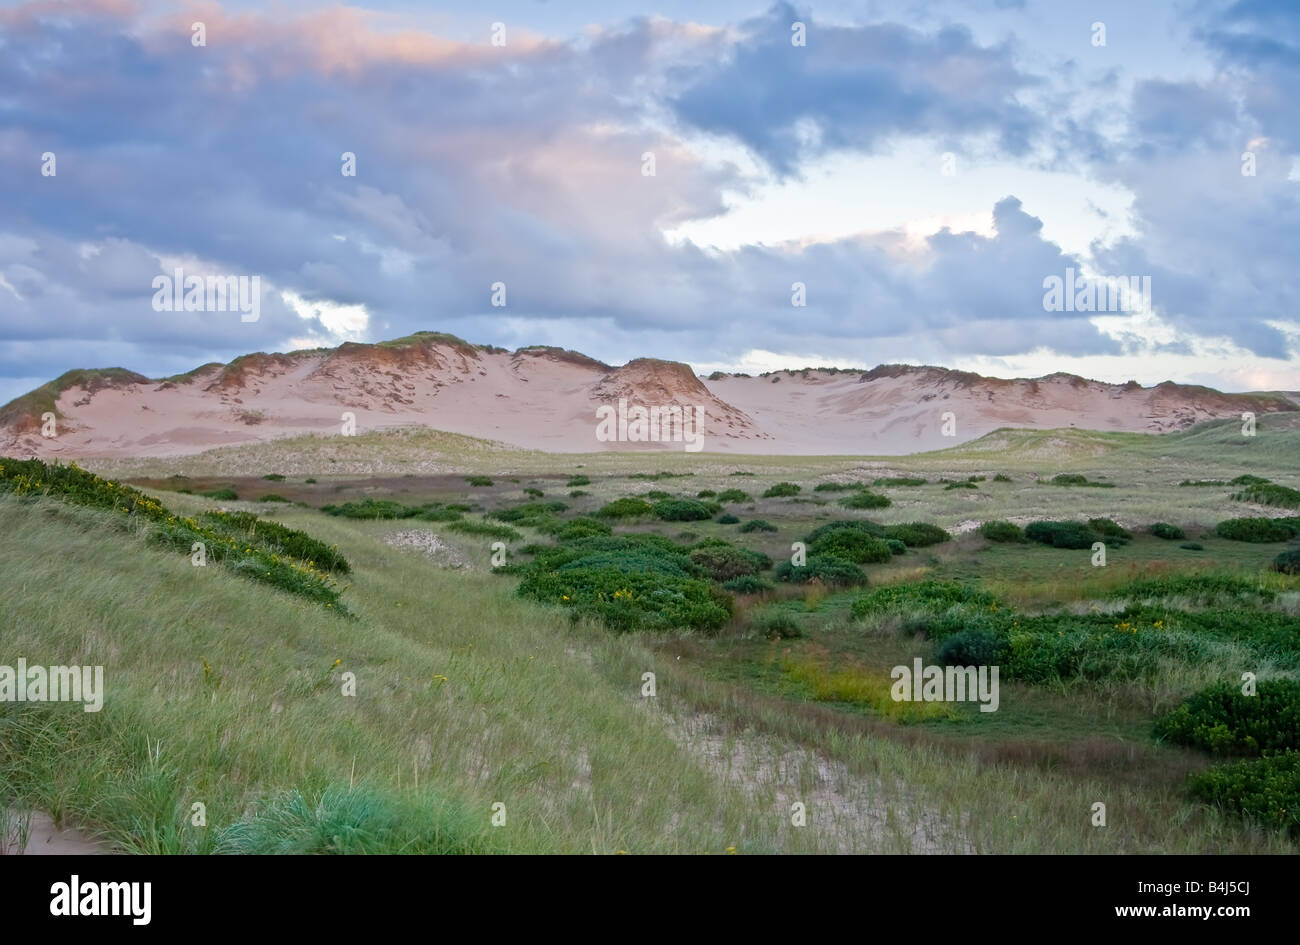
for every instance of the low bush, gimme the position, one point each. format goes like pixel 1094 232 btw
pixel 895 546
pixel 722 562
pixel 748 584
pixel 479 480
pixel 1270 493
pixel 1288 562
pixel 899 481
pixel 960 485
pixel 274 477
pixel 1167 532
pixel 225 494
pixel 1061 534
pixel 1002 531
pixel 781 490
pixel 828 569
pixel 272 497
pixel 727 519
pixel 288 541
pixel 916 534
pixel 777 625
pixel 575 481
pixel 866 500
pixel 1223 721
pixel 851 545
pixel 972 648
pixel 1258 530
pixel 484 529
pixel 757 525
pixel 1266 790
pixel 1110 531
pixel 1192 546
pixel 837 486
pixel 733 495
pixel 684 510
pixel 705 494
pixel 1001 477
pixel 627 507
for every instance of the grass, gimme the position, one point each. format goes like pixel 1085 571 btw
pixel 230 692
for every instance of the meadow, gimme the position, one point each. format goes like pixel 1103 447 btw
pixel 497 611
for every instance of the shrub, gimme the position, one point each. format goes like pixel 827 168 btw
pixel 226 494
pixel 1069 479
pixel 781 490
pixel 896 546
pixel 722 562
pixel 1256 530
pixel 741 472
pixel 1061 534
pixel 899 481
pixel 999 530
pixel 578 481
pixel 1110 530
pixel 371 508
pixel 582 527
pixel 1192 546
pixel 1249 480
pixel 960 485
pixel 757 525
pixel 851 545
pixel 1269 493
pixel 733 495
pixel 727 520
pixel 1266 790
pixel 853 524
pixel 627 507
pixel 1223 721
pixel 1203 482
pixel 484 529
pixel 577 493
pixel 289 541
pixel 310 481
pixel 684 510
pixel 830 570
pixel 272 497
pixel 777 625
pixel 865 500
pixel 1167 532
pixel 705 494
pixel 931 596
pixel 972 648
pixel 1001 477
pixel 837 486
pixel 917 534
pixel 274 477
pixel 479 480
pixel 748 584
pixel 1288 562
pixel 657 494
pixel 534 493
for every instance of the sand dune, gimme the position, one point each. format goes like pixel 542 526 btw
pixel 547 398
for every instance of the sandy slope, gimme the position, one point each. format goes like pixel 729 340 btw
pixel 547 399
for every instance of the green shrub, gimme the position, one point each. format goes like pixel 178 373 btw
pixel 853 524
pixel 583 526
pixel 534 493
pixel 226 494
pixel 272 497
pixel 733 495
pixel 1256 530
pixel 577 493
pixel 777 625
pixel 1203 482
pixel 1003 531
pixel 899 481
pixel 757 525
pixel 917 534
pixel 371 508
pixel 1288 562
pixel 928 596
pixel 578 481
pixel 484 529
pixel 310 481
pixel 1166 531
pixel 655 477
pixel 1249 480
pixel 960 485
pixel 627 507
pixel 741 472
pixel 684 510
pixel 1110 530
pixel 246 526
pixel 1266 790
pixel 274 477
pixel 1001 477
pixel 781 490
pixel 722 562
pixel 1192 546
pixel 837 486
pixel 479 480
pixel 1074 479
pixel 828 569
pixel 851 545
pixel 972 648
pixel 1061 534
pixel 748 584
pixel 895 546
pixel 865 500
pixel 1223 721
pixel 657 494
pixel 727 520
pixel 1269 493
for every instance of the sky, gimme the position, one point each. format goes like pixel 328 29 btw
pixel 633 180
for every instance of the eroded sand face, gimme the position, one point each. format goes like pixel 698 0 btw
pixel 44 839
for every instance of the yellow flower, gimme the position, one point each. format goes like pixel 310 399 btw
pixel 731 849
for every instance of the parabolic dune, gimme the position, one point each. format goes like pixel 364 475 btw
pixel 547 398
